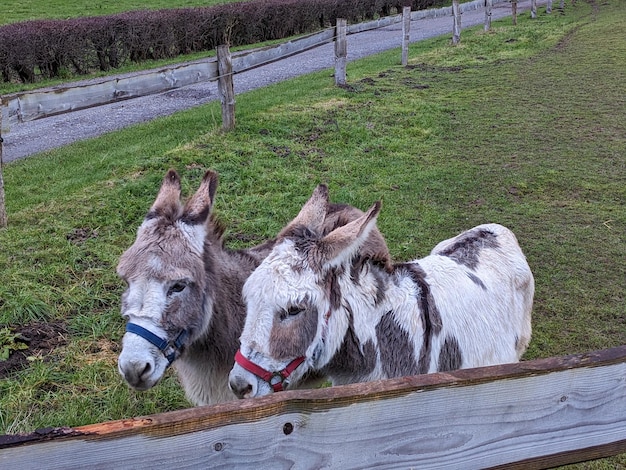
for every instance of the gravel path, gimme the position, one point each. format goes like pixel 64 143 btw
pixel 52 132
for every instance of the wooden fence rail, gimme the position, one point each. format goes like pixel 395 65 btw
pixel 534 414
pixel 30 105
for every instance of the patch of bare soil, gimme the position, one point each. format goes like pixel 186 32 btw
pixel 41 339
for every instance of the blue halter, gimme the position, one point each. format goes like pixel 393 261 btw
pixel 170 349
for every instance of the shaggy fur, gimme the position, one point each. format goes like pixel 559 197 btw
pixel 468 304
pixel 181 277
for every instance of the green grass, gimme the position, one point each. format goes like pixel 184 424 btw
pixel 524 126
pixel 23 10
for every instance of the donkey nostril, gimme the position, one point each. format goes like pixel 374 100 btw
pixel 241 390
pixel 147 370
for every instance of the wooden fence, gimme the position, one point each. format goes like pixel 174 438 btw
pixel 30 105
pixel 534 414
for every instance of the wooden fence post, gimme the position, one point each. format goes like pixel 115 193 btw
pixel 514 11
pixel 3 210
pixel 341 51
pixel 406 36
pixel 225 87
pixel 456 27
pixel 488 7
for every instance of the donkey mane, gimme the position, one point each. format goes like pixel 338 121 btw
pixel 374 248
pixel 217 229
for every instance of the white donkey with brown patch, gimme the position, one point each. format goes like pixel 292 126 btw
pixel 183 302
pixel 314 304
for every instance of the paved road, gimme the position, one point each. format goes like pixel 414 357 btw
pixel 45 134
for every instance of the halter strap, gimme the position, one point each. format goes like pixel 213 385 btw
pixel 275 379
pixel 171 349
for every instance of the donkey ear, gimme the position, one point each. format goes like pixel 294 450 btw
pixel 313 212
pixel 343 242
pixel 167 203
pixel 198 207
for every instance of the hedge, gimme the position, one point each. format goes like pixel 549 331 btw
pixel 43 49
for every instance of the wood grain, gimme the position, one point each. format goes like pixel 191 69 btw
pixel 531 414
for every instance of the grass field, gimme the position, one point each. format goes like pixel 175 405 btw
pixel 523 126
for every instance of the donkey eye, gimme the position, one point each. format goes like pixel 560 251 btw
pixel 293 311
pixel 177 287
pixel 290 312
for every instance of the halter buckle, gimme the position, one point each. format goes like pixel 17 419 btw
pixel 171 349
pixel 277 381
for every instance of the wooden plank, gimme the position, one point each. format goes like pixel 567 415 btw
pixel 473 5
pixel 9 106
pixel 433 13
pixel 567 408
pixel 251 59
pixel 31 105
pixel 447 11
pixel 374 24
pixel 574 456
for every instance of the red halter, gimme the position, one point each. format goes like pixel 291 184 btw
pixel 275 379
